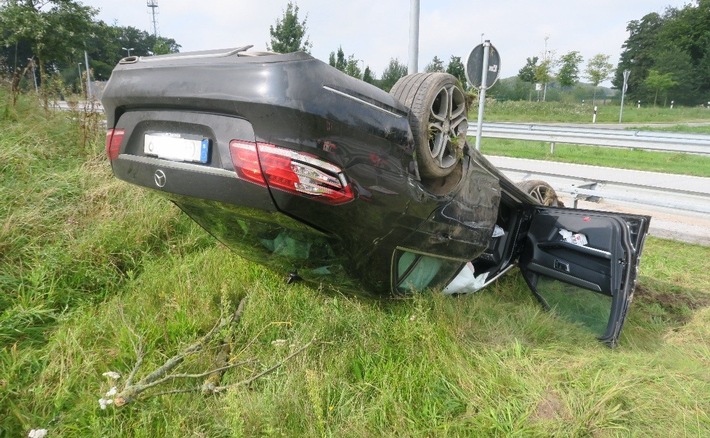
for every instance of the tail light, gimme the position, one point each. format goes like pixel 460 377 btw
pixel 290 171
pixel 114 138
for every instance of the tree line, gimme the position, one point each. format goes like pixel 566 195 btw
pixel 289 35
pixel 667 58
pixel 667 55
pixel 51 36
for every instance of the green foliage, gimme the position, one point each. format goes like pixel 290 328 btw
pixel 52 30
pixel 89 264
pixel 598 70
pixel 109 43
pixel 527 73
pixel 457 70
pixel 675 42
pixel 659 82
pixel 352 68
pixel 543 71
pixel 511 88
pixel 568 75
pixel 394 71
pixel 340 62
pixel 436 65
pixel 367 76
pixel 289 34
pixel 56 35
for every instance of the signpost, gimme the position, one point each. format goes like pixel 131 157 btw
pixel 482 71
pixel 623 92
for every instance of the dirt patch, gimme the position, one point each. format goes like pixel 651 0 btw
pixel 550 408
pixel 672 300
pixel 678 305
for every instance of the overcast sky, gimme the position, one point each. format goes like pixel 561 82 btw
pixel 375 31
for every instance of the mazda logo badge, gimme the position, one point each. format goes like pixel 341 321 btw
pixel 159 178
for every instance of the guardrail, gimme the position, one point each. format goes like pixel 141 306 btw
pixel 647 140
pixel 675 192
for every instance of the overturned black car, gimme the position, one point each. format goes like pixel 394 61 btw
pixel 328 179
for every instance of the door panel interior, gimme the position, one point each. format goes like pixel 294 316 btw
pixel 580 264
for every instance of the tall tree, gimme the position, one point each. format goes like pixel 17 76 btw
pixel 289 34
pixel 638 53
pixel 394 71
pixel 676 42
pixel 598 70
pixel 368 76
pixel 543 75
pixel 436 65
pixel 568 75
pixel 456 69
pixel 108 44
pixel 659 82
pixel 527 73
pixel 340 62
pixel 352 68
pixel 52 29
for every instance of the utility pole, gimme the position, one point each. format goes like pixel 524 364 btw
pixel 153 5
pixel 414 37
pixel 547 67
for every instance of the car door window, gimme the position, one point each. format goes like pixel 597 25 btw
pixel 414 271
pixel 583 265
pixel 590 310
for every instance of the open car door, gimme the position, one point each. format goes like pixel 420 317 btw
pixel 583 264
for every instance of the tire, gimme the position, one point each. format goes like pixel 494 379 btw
pixel 437 107
pixel 541 191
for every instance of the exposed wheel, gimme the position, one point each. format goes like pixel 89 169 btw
pixel 438 119
pixel 541 191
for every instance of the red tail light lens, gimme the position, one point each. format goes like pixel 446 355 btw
pixel 114 138
pixel 246 161
pixel 291 171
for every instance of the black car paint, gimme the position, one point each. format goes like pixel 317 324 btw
pixel 299 103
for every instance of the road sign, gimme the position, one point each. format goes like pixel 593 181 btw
pixel 474 66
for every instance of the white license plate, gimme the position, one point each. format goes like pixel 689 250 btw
pixel 176 148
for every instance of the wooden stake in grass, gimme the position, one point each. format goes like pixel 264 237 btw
pixel 163 374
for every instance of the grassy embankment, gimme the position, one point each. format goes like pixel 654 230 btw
pixel 88 264
pixel 534 112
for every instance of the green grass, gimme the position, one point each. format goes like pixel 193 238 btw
pixel 560 112
pixel 677 120
pixel 88 262
pixel 636 159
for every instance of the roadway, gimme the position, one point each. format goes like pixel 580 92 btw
pixel 681 203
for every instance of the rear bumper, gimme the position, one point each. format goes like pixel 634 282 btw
pixel 191 180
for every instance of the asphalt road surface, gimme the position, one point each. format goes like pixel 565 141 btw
pixel 668 221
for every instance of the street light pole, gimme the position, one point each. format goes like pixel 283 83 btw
pixel 128 50
pixel 88 75
pixel 413 37
pixel 547 68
